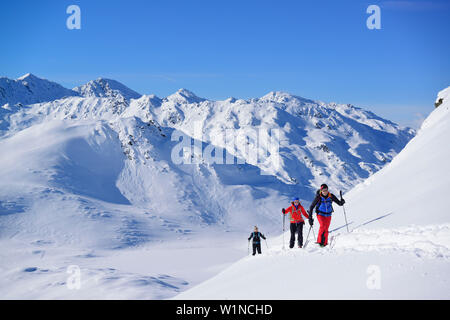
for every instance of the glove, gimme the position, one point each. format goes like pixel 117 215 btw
pixel 311 220
pixel 282 210
pixel 342 201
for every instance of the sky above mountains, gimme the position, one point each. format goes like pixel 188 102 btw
pixel 321 50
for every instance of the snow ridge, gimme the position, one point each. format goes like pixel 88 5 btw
pixel 30 89
pixel 103 88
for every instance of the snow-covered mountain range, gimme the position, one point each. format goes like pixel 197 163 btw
pixel 318 141
pixel 89 173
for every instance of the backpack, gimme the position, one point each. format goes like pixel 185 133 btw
pixel 256 237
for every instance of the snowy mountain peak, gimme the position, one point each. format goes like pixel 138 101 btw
pixel 283 97
pixel 184 96
pixel 231 100
pixel 28 76
pixel 29 89
pixel 272 95
pixel 103 88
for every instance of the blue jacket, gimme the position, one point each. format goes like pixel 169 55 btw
pixel 324 205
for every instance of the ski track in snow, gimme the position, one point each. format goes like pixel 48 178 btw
pixel 430 242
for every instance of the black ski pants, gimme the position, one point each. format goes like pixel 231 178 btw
pixel 256 246
pixel 296 228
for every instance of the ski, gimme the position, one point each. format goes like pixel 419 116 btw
pixel 338 228
pixel 373 220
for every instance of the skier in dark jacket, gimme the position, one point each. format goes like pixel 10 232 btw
pixel 324 208
pixel 256 236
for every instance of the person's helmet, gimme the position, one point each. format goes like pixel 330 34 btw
pixel 295 198
pixel 323 186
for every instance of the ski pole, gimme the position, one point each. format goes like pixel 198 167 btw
pixel 307 237
pixel 345 215
pixel 266 244
pixel 248 247
pixel 283 230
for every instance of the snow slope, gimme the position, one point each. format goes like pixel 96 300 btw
pixel 412 185
pixel 77 193
pixel 96 194
pixel 399 247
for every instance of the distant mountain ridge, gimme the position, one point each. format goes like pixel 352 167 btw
pixel 30 89
pixel 320 141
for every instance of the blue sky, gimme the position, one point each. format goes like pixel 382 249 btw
pixel 316 49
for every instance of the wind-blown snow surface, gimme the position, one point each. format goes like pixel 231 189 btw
pixel 87 179
pixel 399 247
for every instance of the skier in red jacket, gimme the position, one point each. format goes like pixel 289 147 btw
pixel 296 211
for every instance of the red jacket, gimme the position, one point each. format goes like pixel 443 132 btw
pixel 295 214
